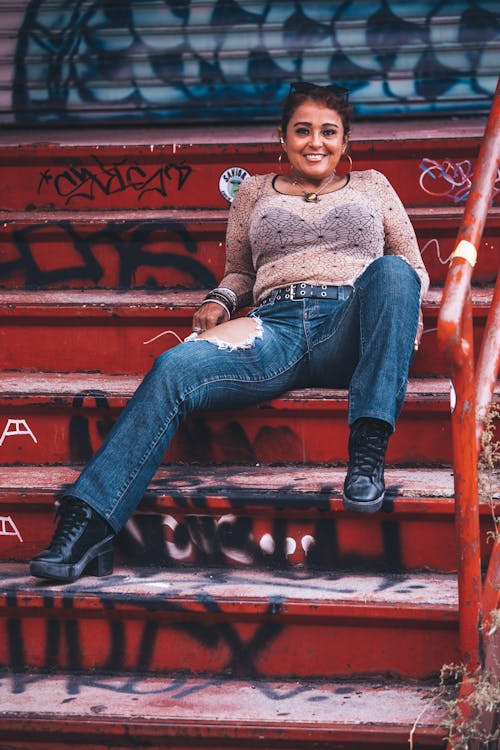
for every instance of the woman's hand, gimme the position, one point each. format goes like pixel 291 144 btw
pixel 420 330
pixel 207 316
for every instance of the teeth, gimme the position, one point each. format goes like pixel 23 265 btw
pixel 313 157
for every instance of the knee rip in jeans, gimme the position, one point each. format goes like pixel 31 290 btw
pixel 235 334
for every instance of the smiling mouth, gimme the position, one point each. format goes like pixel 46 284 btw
pixel 314 157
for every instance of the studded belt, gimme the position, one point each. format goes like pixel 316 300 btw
pixel 306 291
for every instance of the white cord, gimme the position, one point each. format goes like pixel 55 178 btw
pixel 150 341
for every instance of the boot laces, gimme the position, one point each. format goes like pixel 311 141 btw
pixel 71 516
pixel 368 450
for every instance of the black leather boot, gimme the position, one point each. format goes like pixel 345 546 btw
pixel 364 486
pixel 83 540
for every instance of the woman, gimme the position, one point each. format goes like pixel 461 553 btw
pixel 332 264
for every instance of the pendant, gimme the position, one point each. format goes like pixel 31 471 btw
pixel 311 197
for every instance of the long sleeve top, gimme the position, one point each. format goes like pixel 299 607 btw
pixel 274 239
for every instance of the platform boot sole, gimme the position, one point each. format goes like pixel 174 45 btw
pixel 358 506
pixel 98 561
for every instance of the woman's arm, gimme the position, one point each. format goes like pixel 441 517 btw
pixel 400 238
pixel 239 273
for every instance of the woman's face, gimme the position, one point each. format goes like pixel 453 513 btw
pixel 314 141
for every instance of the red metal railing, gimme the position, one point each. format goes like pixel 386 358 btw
pixel 473 388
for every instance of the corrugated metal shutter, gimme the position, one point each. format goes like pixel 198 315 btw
pixel 148 60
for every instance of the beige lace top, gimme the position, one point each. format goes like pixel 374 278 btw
pixel 274 239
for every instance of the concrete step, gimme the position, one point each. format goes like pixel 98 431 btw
pixel 52 712
pixel 162 248
pixel 61 331
pixel 428 163
pixel 53 418
pixel 272 624
pixel 256 517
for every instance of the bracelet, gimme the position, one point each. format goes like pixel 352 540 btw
pixel 228 293
pixel 228 299
pixel 217 302
pixel 223 295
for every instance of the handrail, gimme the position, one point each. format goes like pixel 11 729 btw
pixel 469 236
pixel 455 335
pixel 488 363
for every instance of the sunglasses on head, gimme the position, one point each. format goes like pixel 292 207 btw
pixel 303 87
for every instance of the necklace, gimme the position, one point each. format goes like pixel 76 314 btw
pixel 311 196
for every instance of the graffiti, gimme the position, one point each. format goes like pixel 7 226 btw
pixel 231 444
pixel 195 441
pixel 9 528
pixel 85 183
pixel 178 688
pixel 189 533
pixel 16 427
pixel 449 178
pixel 129 240
pixel 182 622
pixel 435 244
pixel 66 637
pixel 182 62
pixel 80 442
pixel 228 540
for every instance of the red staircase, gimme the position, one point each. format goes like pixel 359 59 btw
pixel 247 608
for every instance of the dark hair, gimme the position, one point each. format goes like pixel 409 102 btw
pixel 332 96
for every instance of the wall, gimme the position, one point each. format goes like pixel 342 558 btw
pixel 151 60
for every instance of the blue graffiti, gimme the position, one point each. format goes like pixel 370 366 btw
pixel 95 60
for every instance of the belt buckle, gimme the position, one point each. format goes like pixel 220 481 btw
pixel 292 291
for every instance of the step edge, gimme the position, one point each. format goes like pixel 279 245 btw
pixel 412 130
pixel 203 215
pixel 251 608
pixel 176 728
pixel 54 302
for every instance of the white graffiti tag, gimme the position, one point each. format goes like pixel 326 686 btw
pixel 16 427
pixel 450 178
pixel 9 528
pixel 434 242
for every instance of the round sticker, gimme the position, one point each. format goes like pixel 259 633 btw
pixel 230 180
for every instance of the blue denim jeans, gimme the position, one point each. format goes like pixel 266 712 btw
pixel 363 341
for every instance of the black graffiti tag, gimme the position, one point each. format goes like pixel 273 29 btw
pixel 128 239
pixel 87 183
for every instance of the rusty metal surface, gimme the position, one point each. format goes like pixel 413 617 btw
pixel 141 303
pixel 491 602
pixel 488 363
pixel 377 130
pixel 246 623
pixel 252 591
pixel 68 416
pixel 211 489
pixel 160 174
pixel 63 329
pixel 455 333
pixel 467 507
pixel 251 713
pixel 148 249
pixel 471 230
pixel 263 604
pixel 244 516
pixel 164 249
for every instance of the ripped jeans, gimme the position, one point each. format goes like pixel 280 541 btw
pixel 363 342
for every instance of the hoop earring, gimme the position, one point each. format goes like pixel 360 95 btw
pixel 280 157
pixel 348 156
